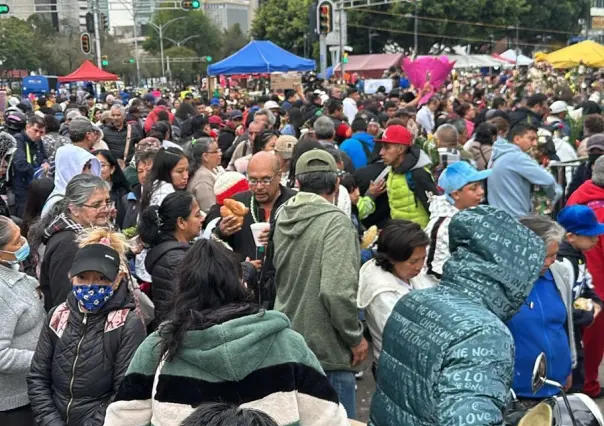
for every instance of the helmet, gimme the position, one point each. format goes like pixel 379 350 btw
pixel 15 120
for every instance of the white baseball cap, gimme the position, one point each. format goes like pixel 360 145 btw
pixel 558 107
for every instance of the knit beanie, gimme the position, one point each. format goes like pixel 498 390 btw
pixel 228 184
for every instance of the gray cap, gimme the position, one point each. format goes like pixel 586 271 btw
pixel 318 155
pixel 82 125
pixel 72 113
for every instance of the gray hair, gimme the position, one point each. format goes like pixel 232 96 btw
pixel 77 193
pixel 120 108
pixel 5 231
pixel 447 136
pixel 198 148
pixel 460 125
pixel 324 128
pixel 271 117
pixel 597 172
pixel 545 228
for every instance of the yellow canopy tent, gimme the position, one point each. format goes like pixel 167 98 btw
pixel 588 53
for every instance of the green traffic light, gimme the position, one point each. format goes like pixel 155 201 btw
pixel 209 58
pixel 104 63
pixel 195 4
pixel 131 60
pixel 4 9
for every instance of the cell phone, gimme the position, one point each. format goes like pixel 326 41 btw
pixel 383 175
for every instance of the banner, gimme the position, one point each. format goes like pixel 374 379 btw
pixel 372 85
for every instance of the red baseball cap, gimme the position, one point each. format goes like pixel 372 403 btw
pixel 214 119
pixel 396 134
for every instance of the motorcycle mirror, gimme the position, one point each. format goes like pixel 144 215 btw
pixel 539 373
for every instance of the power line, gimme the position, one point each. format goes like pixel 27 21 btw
pixel 471 39
pixel 454 21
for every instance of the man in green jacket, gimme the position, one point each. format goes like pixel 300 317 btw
pixel 317 273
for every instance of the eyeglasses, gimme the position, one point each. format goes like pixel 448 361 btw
pixel 107 205
pixel 264 181
pixel 218 151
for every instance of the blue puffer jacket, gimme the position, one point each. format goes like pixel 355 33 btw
pixel 447 357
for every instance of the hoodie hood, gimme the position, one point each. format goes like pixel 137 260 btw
pixel 502 147
pixel 415 158
pixel 568 251
pixel 363 137
pixel 586 193
pixel 440 207
pixel 373 280
pixel 69 162
pixel 234 349
pixel 299 211
pixel 494 259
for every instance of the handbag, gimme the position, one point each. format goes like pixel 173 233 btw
pixel 144 305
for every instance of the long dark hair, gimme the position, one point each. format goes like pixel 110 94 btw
pixel 209 292
pixel 185 111
pixel 119 183
pixel 158 223
pixel 161 130
pixel 261 140
pixel 37 194
pixel 165 160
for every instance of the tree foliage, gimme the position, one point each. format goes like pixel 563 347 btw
pixel 448 23
pixel 233 40
pixel 208 42
pixel 284 22
pixel 16 52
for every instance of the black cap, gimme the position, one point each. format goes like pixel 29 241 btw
pixel 98 258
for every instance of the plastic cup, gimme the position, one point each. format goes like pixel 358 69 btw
pixel 257 229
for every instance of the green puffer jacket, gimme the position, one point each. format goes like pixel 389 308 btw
pixel 447 356
pixel 409 186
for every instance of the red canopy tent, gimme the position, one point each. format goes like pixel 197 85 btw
pixel 89 72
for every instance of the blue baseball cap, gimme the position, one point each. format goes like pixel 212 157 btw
pixel 580 220
pixel 214 102
pixel 458 175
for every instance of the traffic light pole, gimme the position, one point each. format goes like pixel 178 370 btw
pixel 323 51
pixel 341 12
pixel 97 38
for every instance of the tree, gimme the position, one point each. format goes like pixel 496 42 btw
pixel 207 43
pixel 233 39
pixel 16 51
pixel 284 22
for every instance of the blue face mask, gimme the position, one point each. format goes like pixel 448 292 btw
pixel 92 297
pixel 20 255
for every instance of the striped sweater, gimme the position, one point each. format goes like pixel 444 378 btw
pixel 255 361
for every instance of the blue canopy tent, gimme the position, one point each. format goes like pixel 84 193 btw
pixel 261 57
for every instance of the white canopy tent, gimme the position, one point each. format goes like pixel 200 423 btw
pixel 510 55
pixel 474 61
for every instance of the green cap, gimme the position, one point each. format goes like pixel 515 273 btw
pixel 324 162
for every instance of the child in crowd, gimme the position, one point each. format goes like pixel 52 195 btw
pixel 582 232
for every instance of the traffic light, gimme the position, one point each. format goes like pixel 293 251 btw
pixel 85 43
pixel 90 22
pixel 345 58
pixel 104 23
pixel 104 60
pixel 129 61
pixel 208 59
pixel 325 17
pixel 4 9
pixel 190 4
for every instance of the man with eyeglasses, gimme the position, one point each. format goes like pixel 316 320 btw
pixel 264 198
pixel 29 157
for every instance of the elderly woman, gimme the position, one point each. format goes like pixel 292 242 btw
pixel 86 204
pixel 544 323
pixel 120 136
pixel 86 345
pixel 401 252
pixel 207 157
pixel 22 316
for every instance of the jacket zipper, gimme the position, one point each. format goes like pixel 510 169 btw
pixel 75 361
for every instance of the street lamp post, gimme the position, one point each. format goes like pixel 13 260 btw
pixel 415 29
pixel 181 42
pixel 371 35
pixel 160 31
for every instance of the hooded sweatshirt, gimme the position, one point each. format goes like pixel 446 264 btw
pixel 317 273
pixel 358 147
pixel 69 162
pixel 592 195
pixel 514 173
pixel 451 340
pixel 255 361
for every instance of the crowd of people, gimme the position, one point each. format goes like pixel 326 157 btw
pixel 244 261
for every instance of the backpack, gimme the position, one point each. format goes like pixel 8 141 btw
pixel 431 253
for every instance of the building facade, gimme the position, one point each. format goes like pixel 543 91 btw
pixel 226 13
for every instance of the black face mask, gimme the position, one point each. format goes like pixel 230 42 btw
pixel 593 157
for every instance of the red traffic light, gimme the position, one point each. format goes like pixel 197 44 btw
pixel 324 10
pixel 85 44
